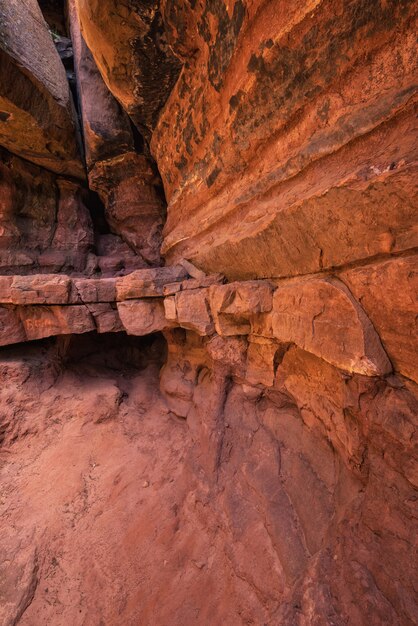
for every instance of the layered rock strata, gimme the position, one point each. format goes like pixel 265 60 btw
pixel 318 314
pixel 281 331
pixel 302 169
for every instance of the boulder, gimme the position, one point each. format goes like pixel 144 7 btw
pixel 388 293
pixel 321 316
pixel 142 317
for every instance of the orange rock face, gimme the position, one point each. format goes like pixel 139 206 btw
pixel 283 157
pixel 37 119
pixel 208 400
pixel 126 182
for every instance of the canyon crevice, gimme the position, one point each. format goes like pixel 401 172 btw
pixel 208 313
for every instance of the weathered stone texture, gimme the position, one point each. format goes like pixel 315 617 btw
pixel 130 47
pixel 388 292
pixel 37 119
pixel 302 168
pixel 237 428
pixel 106 127
pixel 44 222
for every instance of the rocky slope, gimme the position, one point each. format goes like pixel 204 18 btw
pixel 208 312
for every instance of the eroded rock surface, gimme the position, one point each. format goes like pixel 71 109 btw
pixel 278 501
pixel 37 119
pixel 285 135
pixel 127 182
pixel 132 51
pixel 221 429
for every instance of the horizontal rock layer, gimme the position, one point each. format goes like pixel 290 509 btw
pixel 319 315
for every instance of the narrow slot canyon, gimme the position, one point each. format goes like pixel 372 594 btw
pixel 208 313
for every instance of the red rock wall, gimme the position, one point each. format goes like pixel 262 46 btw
pixel 45 225
pixel 259 465
pixel 37 119
pixel 288 505
pixel 287 118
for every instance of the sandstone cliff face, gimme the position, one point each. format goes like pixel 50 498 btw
pixel 36 109
pixel 208 409
pixel 285 135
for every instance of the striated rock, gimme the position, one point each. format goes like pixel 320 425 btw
pixel 322 317
pixel 388 293
pixel 287 157
pixel 37 120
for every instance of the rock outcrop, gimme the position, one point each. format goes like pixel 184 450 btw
pixel 284 155
pixel 126 181
pixel 130 46
pixel 319 315
pixel 37 120
pixel 209 401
